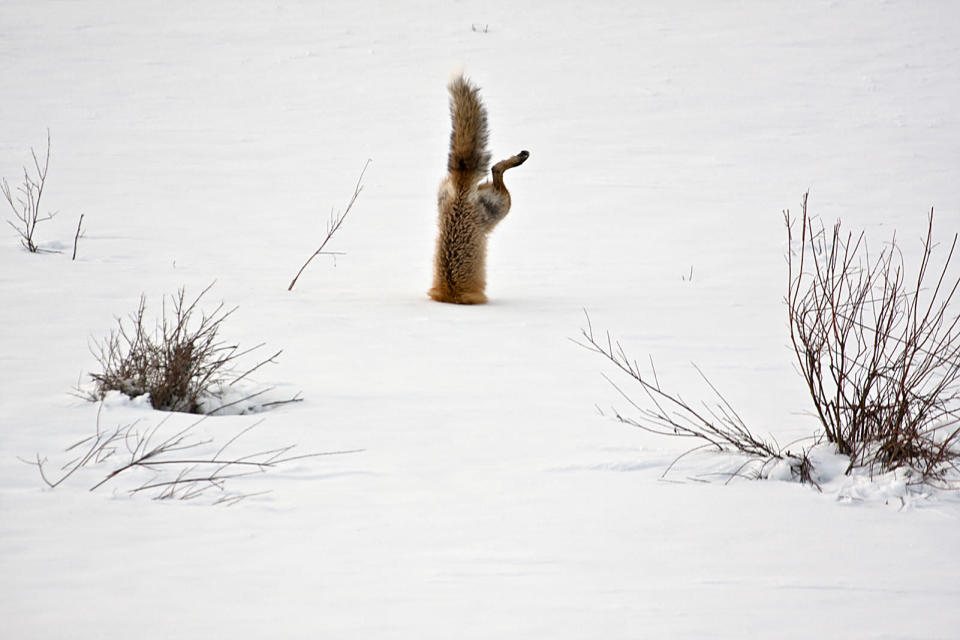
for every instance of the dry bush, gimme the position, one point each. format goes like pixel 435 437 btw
pixel 181 362
pixel 25 201
pixel 879 351
pixel 718 426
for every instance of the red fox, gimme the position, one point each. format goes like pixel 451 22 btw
pixel 468 210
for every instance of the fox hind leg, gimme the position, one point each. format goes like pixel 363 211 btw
pixel 509 163
pixel 493 197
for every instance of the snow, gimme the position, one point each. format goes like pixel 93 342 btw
pixel 209 142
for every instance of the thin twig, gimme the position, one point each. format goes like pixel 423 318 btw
pixel 76 237
pixel 334 226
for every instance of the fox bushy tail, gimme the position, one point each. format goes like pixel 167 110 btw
pixel 469 159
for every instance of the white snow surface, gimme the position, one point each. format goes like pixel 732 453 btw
pixel 491 499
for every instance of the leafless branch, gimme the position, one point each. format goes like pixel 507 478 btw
pixel 179 463
pixel 336 220
pixel 668 414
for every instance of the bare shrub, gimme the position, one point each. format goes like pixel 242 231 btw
pixel 180 464
pixel 718 426
pixel 25 202
pixel 181 362
pixel 879 350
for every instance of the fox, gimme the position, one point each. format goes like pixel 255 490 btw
pixel 468 210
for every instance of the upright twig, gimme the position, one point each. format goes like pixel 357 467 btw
pixel 76 237
pixel 334 224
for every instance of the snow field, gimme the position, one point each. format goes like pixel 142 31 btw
pixel 209 142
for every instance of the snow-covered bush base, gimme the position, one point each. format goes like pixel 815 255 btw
pixel 900 488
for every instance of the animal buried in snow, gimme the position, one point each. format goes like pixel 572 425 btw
pixel 468 209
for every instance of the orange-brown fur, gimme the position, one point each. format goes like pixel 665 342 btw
pixel 468 210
